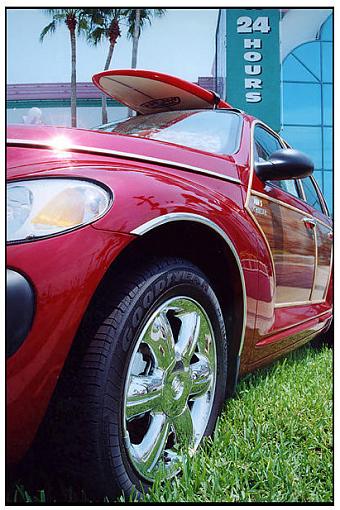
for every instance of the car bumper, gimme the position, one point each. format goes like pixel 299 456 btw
pixel 50 285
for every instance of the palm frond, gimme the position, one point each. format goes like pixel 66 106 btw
pixel 95 36
pixel 50 28
pixel 146 16
pixel 61 16
pixel 111 13
pixel 51 12
pixel 97 18
pixel 158 13
pixel 57 13
pixel 100 23
pixel 82 25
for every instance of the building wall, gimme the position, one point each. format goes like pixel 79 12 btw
pixel 53 101
pixel 57 113
pixel 307 100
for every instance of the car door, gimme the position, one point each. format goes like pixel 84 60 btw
pixel 288 230
pixel 324 237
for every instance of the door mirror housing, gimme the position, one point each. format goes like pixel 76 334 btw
pixel 284 164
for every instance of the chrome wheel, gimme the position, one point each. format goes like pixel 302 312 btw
pixel 169 388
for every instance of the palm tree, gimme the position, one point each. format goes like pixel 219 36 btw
pixel 74 19
pixel 105 24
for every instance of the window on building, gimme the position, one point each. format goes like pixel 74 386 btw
pixel 307 104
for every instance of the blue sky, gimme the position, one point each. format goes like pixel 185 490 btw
pixel 181 43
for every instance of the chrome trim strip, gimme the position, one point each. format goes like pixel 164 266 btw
pixel 300 303
pixel 250 181
pixel 320 196
pixel 125 155
pixel 301 188
pixel 167 218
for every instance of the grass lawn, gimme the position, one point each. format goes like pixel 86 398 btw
pixel 273 443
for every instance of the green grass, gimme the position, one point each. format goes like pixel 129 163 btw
pixel 273 443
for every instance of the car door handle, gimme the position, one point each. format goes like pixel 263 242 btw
pixel 309 222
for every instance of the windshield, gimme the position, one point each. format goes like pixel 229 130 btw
pixel 216 131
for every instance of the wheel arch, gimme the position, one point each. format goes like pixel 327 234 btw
pixel 184 234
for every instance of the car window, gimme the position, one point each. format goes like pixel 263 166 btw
pixel 312 197
pixel 264 146
pixel 288 185
pixel 216 131
pixel 321 197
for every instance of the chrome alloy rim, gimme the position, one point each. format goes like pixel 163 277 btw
pixel 169 388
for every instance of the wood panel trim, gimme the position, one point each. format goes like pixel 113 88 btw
pixel 288 206
pixel 250 212
pixel 329 276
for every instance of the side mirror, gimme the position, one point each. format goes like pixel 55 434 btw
pixel 284 164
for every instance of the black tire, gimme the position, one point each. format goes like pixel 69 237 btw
pixel 95 450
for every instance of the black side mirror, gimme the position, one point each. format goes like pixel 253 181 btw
pixel 285 164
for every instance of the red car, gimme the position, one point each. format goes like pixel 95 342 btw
pixel 151 262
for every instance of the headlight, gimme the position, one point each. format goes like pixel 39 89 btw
pixel 44 207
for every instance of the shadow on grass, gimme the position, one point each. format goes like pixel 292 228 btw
pixel 33 480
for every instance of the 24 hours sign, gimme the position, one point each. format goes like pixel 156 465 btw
pixel 253 63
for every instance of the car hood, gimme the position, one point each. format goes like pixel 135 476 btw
pixel 25 144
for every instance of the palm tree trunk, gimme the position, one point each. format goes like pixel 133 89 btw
pixel 104 101
pixel 135 39
pixel 73 79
